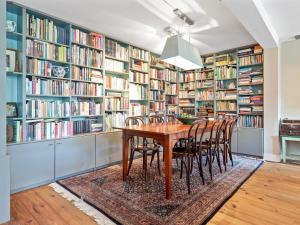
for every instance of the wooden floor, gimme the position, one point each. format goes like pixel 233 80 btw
pixel 270 196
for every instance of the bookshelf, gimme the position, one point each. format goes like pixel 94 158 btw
pixel 117 78
pixel 226 82
pixel 139 85
pixel 157 98
pixel 205 88
pixel 250 87
pixel 171 89
pixel 187 91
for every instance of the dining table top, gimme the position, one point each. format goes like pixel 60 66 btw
pixel 159 128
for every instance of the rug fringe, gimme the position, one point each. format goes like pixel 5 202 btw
pixel 81 205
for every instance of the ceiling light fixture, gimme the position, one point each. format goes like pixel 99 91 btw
pixel 179 52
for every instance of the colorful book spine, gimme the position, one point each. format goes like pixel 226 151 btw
pixel 39 67
pixel 94 40
pixel 115 50
pixel 171 89
pixel 156 96
pixel 117 83
pixel 224 72
pixel 140 54
pixel 86 74
pixel 87 126
pixel 139 65
pixel 136 109
pixel 138 77
pixel 157 74
pixel 157 84
pixel 157 106
pixel 171 100
pixel 116 104
pixel 116 119
pixel 137 92
pixel 171 76
pixel 115 66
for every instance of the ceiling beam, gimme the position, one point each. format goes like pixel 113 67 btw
pixel 254 18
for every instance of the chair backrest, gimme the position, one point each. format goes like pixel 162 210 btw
pixel 196 133
pixel 134 120
pixel 156 119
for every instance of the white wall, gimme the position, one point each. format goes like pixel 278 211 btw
pixel 4 159
pixel 271 104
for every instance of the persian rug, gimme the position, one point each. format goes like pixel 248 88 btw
pixel 138 202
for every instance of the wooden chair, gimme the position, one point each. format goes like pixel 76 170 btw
pixel 228 138
pixel 191 149
pixel 170 118
pixel 156 119
pixel 142 147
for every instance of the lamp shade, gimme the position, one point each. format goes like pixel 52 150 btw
pixel 181 53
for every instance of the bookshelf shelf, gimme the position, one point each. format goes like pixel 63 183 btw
pixel 132 82
pixel 45 59
pixel 50 42
pixel 137 70
pixel 251 65
pixel 47 77
pixel 47 96
pixel 117 59
pixel 85 66
pixel 14 73
pixel 87 46
pixel 107 72
pixel 115 90
pixel 86 96
pixel 139 59
pixel 253 84
pixel 86 81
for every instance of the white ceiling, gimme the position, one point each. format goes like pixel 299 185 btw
pixel 284 16
pixel 142 22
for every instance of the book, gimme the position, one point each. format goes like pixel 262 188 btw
pixel 86 74
pixel 115 66
pixel 224 72
pixel 116 104
pixel 116 83
pixel 171 76
pixel 157 106
pixel 157 84
pixel 136 109
pixel 171 89
pixel 157 74
pixel 156 96
pixel 115 119
pixel 137 92
pixel 205 95
pixel 138 77
pixel 139 65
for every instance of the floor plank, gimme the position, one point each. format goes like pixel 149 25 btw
pixel 270 196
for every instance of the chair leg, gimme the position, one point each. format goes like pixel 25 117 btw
pixel 230 154
pixel 188 174
pixel 218 159
pixel 181 168
pixel 200 166
pixel 224 158
pixel 130 160
pixel 192 160
pixel 152 157
pixel 177 162
pixel 210 163
pixel 145 165
pixel 158 163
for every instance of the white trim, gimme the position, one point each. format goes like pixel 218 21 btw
pixel 272 157
pixel 99 218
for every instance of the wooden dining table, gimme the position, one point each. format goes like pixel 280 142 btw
pixel 167 134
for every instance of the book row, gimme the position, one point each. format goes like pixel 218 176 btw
pixel 139 65
pixel 46 29
pixel 156 96
pixel 139 54
pixel 115 66
pixel 86 108
pixel 224 72
pixel 251 59
pixel 86 74
pixel 113 120
pixel 87 57
pixel 251 121
pixel 229 106
pixel 157 106
pixel 157 74
pixel 116 83
pixel 138 77
pixel 171 89
pixel 157 84
pixel 187 77
pixel 47 109
pixel 86 89
pixel 92 39
pixel 116 104
pixel 115 50
pixel 40 49
pixel 205 95
pixel 205 75
pixel 37 86
pixel 137 92
pixel 136 109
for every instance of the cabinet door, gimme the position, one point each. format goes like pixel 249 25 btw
pixel 31 164
pixel 234 138
pixel 74 155
pixel 108 148
pixel 250 141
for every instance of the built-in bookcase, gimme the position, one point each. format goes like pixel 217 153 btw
pixel 171 89
pixel 14 74
pixel 157 98
pixel 205 88
pixel 117 77
pixel 187 82
pixel 139 92
pixel 250 87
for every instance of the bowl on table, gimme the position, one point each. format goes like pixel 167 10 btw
pixel 187 120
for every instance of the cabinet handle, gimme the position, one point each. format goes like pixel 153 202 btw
pixel 59 143
pixel 50 144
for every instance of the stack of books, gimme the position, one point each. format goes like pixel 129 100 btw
pixel 86 126
pixel 157 74
pixel 38 67
pixel 86 108
pixel 226 95
pixel 224 72
pixel 157 106
pixel 94 40
pixel 37 86
pixel 86 74
pixel 136 109
pixel 138 77
pixel 171 76
pixel 116 83
pixel 137 92
pixel 115 66
pixel 87 57
pixel 139 65
pixel 205 95
pixel 157 84
pixel 187 94
pixel 139 54
pixel 116 104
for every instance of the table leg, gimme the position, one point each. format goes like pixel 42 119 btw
pixel 125 155
pixel 168 148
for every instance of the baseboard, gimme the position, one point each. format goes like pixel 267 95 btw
pixel 272 157
pixel 4 189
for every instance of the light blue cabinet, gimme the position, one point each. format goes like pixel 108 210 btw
pixel 74 155
pixel 108 148
pixel 31 164
pixel 250 141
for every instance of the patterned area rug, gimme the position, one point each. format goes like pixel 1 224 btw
pixel 137 202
